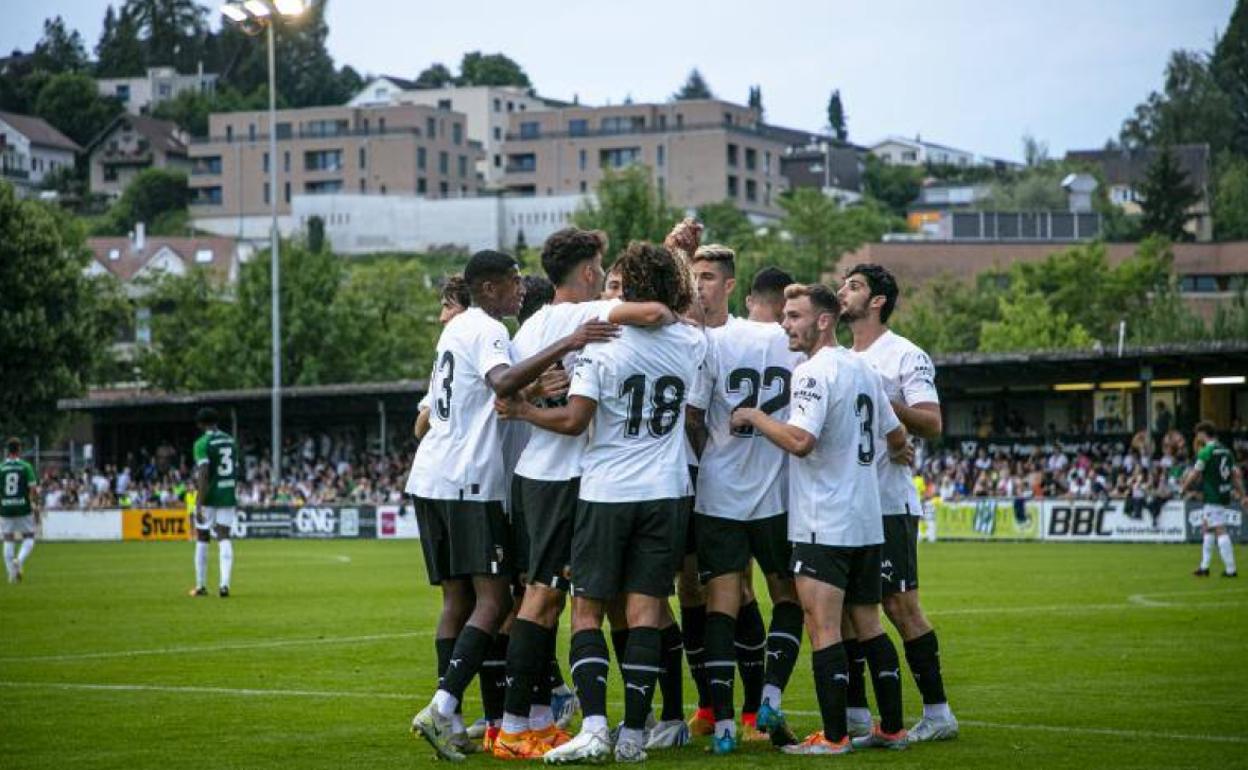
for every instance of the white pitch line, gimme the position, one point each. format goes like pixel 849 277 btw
pixel 217 647
pixel 1109 731
pixel 1134 602
pixel 248 692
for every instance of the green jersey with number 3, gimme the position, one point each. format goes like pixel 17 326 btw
pixel 16 479
pixel 1217 466
pixel 217 450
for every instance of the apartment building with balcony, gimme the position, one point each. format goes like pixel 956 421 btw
pixel 699 151
pixel 407 149
pixel 143 93
pixel 131 144
pixel 30 149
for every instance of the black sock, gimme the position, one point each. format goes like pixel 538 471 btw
pixel 885 679
pixel 784 641
pixel 591 664
pixel 856 697
pixel 923 657
pixel 619 643
pixel 829 665
pixel 493 678
pixel 693 628
pixel 548 672
pixel 672 680
pixel 720 664
pixel 555 674
pixel 751 643
pixel 444 648
pixel 642 659
pixel 471 647
pixel 526 665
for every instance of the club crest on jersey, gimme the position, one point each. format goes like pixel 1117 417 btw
pixel 499 345
pixel 806 382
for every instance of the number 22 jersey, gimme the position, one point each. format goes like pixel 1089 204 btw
pixel 461 456
pixel 641 381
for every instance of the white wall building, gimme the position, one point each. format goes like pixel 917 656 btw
pixel 899 151
pixel 140 95
pixel 363 224
pixel 488 109
pixel 30 149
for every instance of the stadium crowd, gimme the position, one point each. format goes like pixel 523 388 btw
pixel 334 468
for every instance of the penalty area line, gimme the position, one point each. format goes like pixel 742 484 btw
pixel 258 645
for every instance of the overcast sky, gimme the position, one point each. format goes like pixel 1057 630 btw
pixel 975 74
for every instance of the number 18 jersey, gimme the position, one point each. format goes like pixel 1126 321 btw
pixel 748 364
pixel 641 381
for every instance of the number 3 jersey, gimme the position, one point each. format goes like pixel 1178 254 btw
pixel 834 492
pixel 641 381
pixel 461 457
pixel 748 364
pixel 217 450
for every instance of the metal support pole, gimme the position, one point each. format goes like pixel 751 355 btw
pixel 274 258
pixel 381 419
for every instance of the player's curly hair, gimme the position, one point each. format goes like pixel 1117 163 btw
pixel 651 273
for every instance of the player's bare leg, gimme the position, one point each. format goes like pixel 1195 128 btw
pixel 10 561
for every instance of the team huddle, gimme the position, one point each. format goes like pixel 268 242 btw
pixel 627 449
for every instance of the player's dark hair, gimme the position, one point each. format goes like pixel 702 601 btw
pixel 1208 428
pixel 456 290
pixel 822 297
pixel 13 444
pixel 651 273
pixel 770 283
pixel 881 283
pixel 567 248
pixel 487 265
pixel 722 256
pixel 537 292
pixel 206 416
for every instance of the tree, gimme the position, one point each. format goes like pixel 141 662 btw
pixel 1028 322
pixel 172 30
pixel 819 231
pixel 1168 197
pixel 316 233
pixel 837 117
pixel 496 69
pixel 1230 199
pixel 153 193
pixel 1230 70
pixel 756 100
pixel 726 224
pixel 695 87
pixel 71 103
pixel 393 296
pixel 191 323
pixel 58 324
pixel 60 49
pixel 946 314
pixel 628 209
pixel 435 75
pixel 1035 152
pixel 1191 109
pixel 119 52
pixel 894 186
pixel 1037 188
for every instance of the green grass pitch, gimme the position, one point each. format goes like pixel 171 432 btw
pixel 1081 656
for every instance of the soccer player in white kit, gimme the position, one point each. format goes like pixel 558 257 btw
pixel 839 421
pixel 867 298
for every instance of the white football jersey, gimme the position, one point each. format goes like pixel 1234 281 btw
pixel 552 456
pixel 748 364
pixel 461 457
pixel 834 492
pixel 909 377
pixel 641 381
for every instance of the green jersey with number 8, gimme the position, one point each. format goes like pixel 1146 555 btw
pixel 219 452
pixel 1216 464
pixel 16 479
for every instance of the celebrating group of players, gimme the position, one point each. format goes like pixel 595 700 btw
pixel 623 450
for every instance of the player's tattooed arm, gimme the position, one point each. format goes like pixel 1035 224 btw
pixel 570 420
pixel 922 420
pixel 695 428
pixel 508 380
pixel 790 438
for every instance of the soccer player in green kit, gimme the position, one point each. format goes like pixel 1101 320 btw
pixel 1220 481
pixel 17 513
pixel 216 474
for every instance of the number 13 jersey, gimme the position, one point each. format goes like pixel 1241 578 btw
pixel 641 381
pixel 461 457
pixel 748 364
